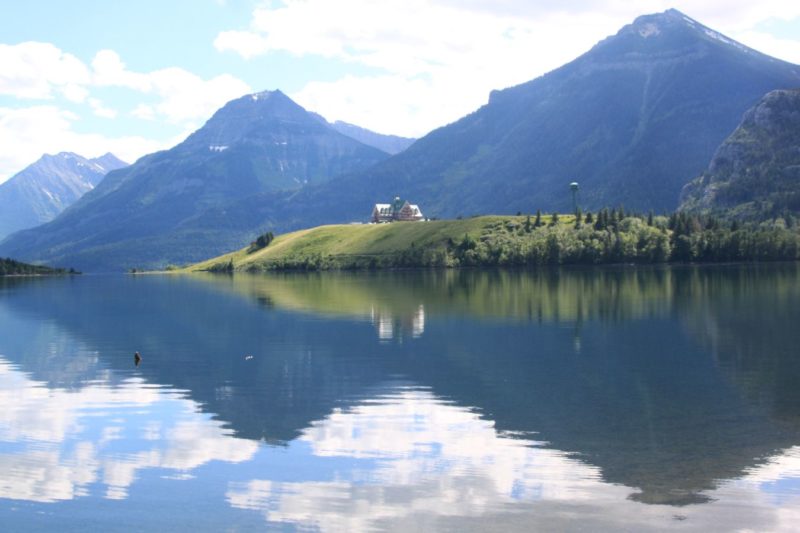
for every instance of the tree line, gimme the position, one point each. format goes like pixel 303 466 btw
pixel 614 236
pixel 10 267
pixel 606 237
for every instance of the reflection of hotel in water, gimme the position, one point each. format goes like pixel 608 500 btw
pixel 390 327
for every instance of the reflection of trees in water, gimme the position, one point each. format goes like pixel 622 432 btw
pixel 546 295
pixel 748 322
pixel 639 399
pixel 621 386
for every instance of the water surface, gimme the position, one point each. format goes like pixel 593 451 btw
pixel 633 399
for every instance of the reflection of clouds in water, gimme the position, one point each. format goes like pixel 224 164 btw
pixel 420 455
pixel 786 465
pixel 774 485
pixel 417 459
pixel 62 441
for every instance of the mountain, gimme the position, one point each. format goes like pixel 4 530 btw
pixel 44 189
pixel 755 173
pixel 632 120
pixel 109 162
pixel 391 144
pixel 179 205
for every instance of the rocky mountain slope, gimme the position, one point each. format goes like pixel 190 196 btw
pixel 755 173
pixel 44 189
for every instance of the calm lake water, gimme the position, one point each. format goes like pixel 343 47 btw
pixel 613 399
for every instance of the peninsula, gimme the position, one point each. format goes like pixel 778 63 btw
pixel 607 237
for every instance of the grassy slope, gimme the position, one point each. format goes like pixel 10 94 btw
pixel 376 240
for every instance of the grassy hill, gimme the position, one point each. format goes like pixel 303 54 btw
pixel 361 245
pixel 607 237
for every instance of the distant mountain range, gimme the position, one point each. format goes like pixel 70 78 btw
pixel 44 189
pixel 755 174
pixel 182 204
pixel 632 120
pixel 391 144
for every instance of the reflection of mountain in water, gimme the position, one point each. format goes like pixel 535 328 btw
pixel 750 329
pixel 642 399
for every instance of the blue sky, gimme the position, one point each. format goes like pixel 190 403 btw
pixel 134 77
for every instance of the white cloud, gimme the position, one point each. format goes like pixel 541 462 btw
pixel 75 93
pixel 100 109
pixel 144 112
pixel 27 133
pixel 108 70
pixel 786 49
pixel 184 97
pixel 450 54
pixel 246 44
pixel 363 101
pixel 187 97
pixel 35 70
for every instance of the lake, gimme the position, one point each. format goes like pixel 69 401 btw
pixel 589 400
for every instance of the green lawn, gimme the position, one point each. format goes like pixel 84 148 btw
pixel 508 241
pixel 344 241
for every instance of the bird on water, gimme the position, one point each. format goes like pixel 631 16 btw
pixel 137 358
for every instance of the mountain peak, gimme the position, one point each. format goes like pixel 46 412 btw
pixel 108 162
pixel 669 34
pixel 259 114
pixel 261 104
pixel 43 189
pixel 668 18
pixel 670 15
pixel 674 23
pixel 265 95
pixel 60 156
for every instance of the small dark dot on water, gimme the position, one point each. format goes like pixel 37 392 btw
pixel 679 517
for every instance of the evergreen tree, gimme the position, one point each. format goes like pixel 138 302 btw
pixel 599 223
pixel 538 222
pixel 673 221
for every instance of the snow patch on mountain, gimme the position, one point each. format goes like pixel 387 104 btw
pixel 649 30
